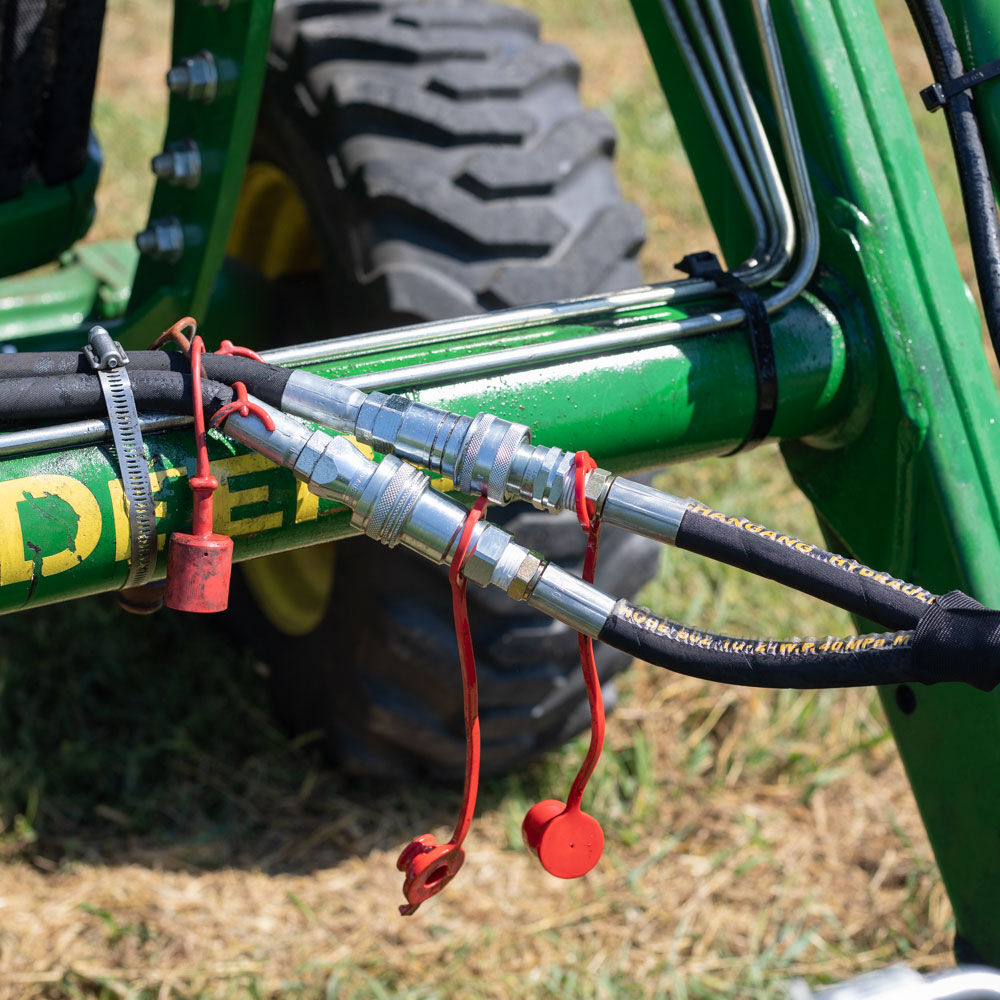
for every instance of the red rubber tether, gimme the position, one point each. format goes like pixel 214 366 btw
pixel 568 841
pixel 429 866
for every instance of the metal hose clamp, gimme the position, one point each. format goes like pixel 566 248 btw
pixel 109 360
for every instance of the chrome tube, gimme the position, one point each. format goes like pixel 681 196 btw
pixel 35 439
pixel 727 142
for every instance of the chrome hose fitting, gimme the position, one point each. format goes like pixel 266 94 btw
pixel 393 503
pixel 544 477
pixel 641 509
pixel 474 452
pixel 322 400
pixel 480 454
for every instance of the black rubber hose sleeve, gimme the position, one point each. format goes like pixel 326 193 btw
pixel 266 382
pixel 846 583
pixel 69 397
pixel 958 639
pixel 855 661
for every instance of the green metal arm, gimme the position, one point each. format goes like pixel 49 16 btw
pixel 929 458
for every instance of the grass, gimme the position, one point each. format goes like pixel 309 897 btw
pixel 162 840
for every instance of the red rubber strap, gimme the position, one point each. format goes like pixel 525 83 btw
pixel 591 524
pixel 242 405
pixel 234 350
pixel 470 685
pixel 203 483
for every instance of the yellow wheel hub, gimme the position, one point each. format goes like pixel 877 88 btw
pixel 271 233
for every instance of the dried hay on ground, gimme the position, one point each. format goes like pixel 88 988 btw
pixel 715 875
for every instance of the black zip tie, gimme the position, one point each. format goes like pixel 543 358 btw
pixel 938 94
pixel 705 264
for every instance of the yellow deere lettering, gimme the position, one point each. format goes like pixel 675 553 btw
pixel 306 503
pixel 14 568
pixel 119 508
pixel 228 500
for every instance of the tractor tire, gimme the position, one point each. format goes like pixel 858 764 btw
pixel 415 161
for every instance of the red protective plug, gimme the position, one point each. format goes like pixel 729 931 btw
pixel 566 840
pixel 199 564
pixel 427 865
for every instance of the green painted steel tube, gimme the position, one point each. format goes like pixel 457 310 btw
pixel 64 532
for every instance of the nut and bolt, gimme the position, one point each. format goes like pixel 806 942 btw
pixel 162 240
pixel 195 78
pixel 179 164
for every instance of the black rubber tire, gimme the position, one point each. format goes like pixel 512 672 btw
pixel 447 168
pixel 446 145
pixel 380 676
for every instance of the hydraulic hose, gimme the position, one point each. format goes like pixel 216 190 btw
pixel 63 397
pixel 846 583
pixel 948 638
pixel 267 382
pixel 970 157
pixel 854 661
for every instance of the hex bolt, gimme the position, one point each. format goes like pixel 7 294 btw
pixel 162 240
pixel 195 78
pixel 179 164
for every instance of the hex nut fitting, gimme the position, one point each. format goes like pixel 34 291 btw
pixel 596 487
pixel 195 78
pixel 525 577
pixel 162 240
pixel 179 164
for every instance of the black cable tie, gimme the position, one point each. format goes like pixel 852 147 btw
pixel 939 93
pixel 705 264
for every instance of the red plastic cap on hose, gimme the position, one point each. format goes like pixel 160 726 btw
pixel 198 572
pixel 568 842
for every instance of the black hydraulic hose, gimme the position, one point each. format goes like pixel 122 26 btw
pixel 65 397
pixel 856 661
pixel 266 382
pixel 846 583
pixel 970 157
pixel 957 639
